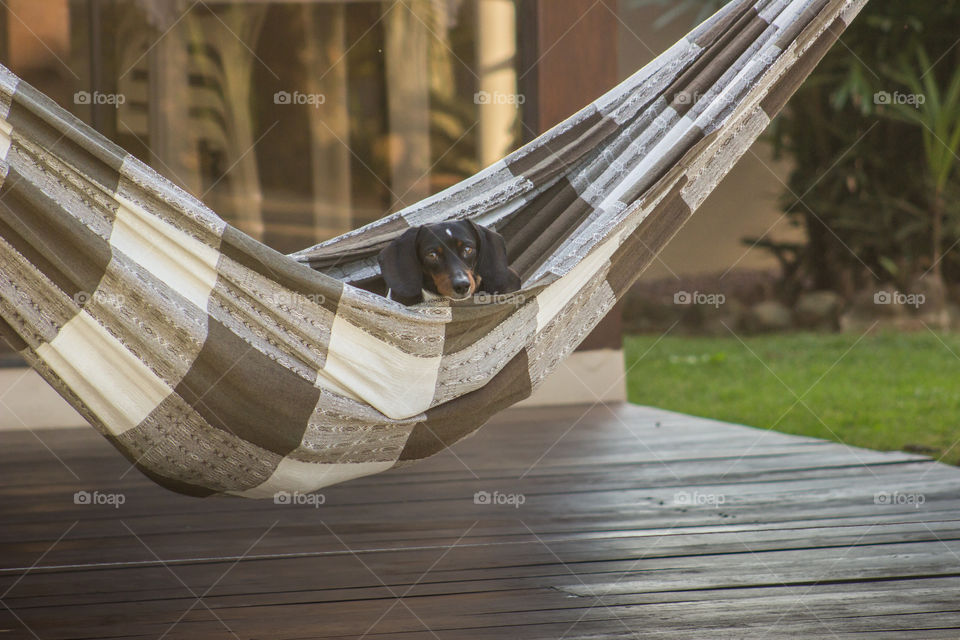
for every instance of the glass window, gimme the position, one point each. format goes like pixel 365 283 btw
pixel 295 121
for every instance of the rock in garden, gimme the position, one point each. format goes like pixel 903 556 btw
pixel 769 315
pixel 818 310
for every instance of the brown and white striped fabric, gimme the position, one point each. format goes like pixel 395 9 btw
pixel 218 365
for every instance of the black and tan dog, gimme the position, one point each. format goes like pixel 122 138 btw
pixel 447 259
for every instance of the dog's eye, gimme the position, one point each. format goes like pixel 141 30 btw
pixel 468 251
pixel 432 255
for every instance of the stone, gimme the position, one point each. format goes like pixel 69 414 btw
pixel 769 315
pixel 818 310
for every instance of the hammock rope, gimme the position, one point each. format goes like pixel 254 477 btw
pixel 217 365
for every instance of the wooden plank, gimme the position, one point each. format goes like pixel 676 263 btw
pixel 601 517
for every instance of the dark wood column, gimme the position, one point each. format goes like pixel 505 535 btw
pixel 568 58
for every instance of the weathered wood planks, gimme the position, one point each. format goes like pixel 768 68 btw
pixel 634 522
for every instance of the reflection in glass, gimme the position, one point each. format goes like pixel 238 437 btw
pixel 295 121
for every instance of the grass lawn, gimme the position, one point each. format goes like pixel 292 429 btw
pixel 883 391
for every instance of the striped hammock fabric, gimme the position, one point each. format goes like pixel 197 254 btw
pixel 219 366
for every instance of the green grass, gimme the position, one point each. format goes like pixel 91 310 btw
pixel 885 391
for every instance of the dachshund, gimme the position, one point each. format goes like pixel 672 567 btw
pixel 446 260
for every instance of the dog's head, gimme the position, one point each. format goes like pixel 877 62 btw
pixel 450 259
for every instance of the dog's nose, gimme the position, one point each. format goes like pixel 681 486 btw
pixel 461 287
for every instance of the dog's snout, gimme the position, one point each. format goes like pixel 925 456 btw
pixel 461 285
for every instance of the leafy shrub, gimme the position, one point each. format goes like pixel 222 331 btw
pixel 873 135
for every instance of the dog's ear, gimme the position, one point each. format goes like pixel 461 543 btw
pixel 496 276
pixel 400 268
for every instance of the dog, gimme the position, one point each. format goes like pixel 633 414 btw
pixel 446 260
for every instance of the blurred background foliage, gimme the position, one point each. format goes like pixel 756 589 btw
pixel 873 136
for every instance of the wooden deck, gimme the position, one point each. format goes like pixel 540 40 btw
pixel 634 523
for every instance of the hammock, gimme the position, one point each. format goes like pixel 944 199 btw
pixel 219 366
